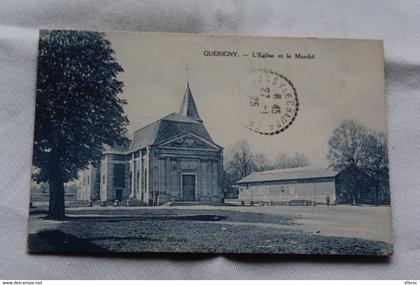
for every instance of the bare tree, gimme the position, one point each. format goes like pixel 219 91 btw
pixel 241 161
pixel 284 160
pixel 261 162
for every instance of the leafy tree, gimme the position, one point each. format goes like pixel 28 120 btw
pixel 346 145
pixel 77 108
pixel 346 151
pixel 375 161
pixel 44 187
pixel 354 147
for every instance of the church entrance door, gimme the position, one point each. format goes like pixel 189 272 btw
pixel 188 187
pixel 118 194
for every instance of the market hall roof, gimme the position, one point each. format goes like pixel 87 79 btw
pixel 288 174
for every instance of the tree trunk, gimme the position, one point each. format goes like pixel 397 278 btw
pixel 355 190
pixel 354 199
pixel 56 204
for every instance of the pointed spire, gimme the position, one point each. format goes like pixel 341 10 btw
pixel 188 107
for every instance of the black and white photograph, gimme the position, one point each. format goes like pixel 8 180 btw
pixel 193 143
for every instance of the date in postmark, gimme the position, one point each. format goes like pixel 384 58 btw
pixel 267 102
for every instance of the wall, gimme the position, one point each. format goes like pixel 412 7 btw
pixel 168 166
pixel 163 168
pixel 108 179
pixel 89 184
pixel 135 175
pixel 285 191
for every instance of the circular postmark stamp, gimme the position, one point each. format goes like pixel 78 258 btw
pixel 267 102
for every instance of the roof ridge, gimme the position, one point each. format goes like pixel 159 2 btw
pixel 296 173
pixel 290 169
pixel 177 116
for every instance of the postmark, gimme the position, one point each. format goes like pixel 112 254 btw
pixel 267 102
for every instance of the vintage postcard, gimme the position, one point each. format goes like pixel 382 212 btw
pixel 155 142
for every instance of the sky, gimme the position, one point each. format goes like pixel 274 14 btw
pixel 344 80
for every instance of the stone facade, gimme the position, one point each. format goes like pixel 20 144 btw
pixel 88 184
pixel 156 175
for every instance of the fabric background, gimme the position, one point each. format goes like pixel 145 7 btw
pixel 397 22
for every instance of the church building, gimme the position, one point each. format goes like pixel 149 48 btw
pixel 171 159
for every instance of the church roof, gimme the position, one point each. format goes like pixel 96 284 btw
pixel 166 128
pixel 288 174
pixel 188 107
pixel 175 124
pixel 172 125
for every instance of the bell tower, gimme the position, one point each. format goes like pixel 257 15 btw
pixel 188 107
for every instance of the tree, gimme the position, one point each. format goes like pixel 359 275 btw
pixel 240 161
pixel 346 151
pixel 260 162
pixel 77 108
pixel 346 145
pixel 360 150
pixel 284 160
pixel 375 161
pixel 44 187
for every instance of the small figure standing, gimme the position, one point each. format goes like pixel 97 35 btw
pixel 327 199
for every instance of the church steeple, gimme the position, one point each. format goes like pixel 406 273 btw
pixel 188 107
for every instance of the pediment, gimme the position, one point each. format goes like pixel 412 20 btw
pixel 189 141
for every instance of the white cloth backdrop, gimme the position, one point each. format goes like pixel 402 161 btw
pixel 397 22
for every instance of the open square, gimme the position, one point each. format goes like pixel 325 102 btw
pixel 339 230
